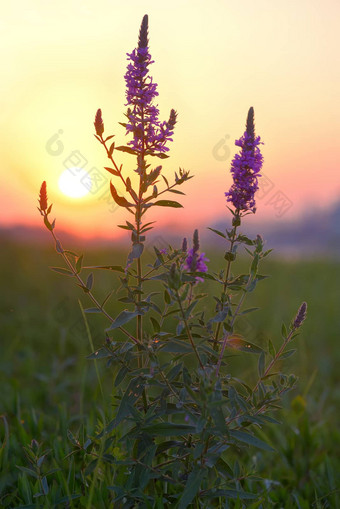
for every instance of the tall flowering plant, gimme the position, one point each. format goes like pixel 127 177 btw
pixel 182 422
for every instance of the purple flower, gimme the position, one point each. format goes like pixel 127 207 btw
pixel 195 262
pixel 245 168
pixel 149 134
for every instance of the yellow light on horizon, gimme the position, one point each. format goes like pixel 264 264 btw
pixel 75 182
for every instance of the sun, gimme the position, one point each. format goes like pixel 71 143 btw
pixel 75 182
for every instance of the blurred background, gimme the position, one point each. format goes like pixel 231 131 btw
pixel 212 62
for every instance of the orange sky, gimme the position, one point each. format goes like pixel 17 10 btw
pixel 63 60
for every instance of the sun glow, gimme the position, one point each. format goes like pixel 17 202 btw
pixel 75 182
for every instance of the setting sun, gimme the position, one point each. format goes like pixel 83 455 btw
pixel 75 182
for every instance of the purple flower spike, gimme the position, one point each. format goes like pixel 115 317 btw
pixel 149 134
pixel 195 262
pixel 245 168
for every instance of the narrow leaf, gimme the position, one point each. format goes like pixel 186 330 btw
pixel 124 148
pixel 217 232
pixel 89 281
pixel 168 203
pixel 250 440
pixel 192 487
pixel 261 364
pixel 60 270
pixel 123 318
pixel 112 171
pixel 116 268
pixel 287 354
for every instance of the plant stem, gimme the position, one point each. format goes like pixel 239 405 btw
pixel 138 220
pixel 275 359
pixel 117 169
pixel 227 334
pixel 224 292
pixel 187 328
pixel 90 294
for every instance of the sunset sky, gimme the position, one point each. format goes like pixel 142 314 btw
pixel 61 61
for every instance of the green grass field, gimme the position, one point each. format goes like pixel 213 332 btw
pixel 48 386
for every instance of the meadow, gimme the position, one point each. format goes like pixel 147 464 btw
pixel 48 386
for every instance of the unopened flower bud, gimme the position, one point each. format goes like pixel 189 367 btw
pixel 196 244
pixel 143 33
pixel 174 278
pixel 43 197
pixel 301 316
pixel 172 119
pixel 250 126
pixel 98 123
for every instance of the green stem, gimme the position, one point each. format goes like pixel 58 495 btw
pixel 90 294
pixel 138 220
pixel 117 169
pixel 227 334
pixel 188 331
pixel 224 292
pixel 275 359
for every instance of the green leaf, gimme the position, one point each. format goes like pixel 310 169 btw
pixel 250 440
pixel 116 268
pixel 41 460
pixel 124 148
pixel 111 149
pixel 66 500
pixel 284 331
pixel 111 170
pixel 168 203
pixel 72 438
pixel 161 155
pixel 120 200
pixel 287 354
pixel 254 265
pixel 60 270
pixel 155 324
pixel 243 495
pixel 236 341
pixel 44 485
pixel 125 227
pixel 58 247
pixel 135 253
pixel 92 310
pixel 174 372
pixel 48 225
pixel 130 396
pixel 192 487
pixel 245 240
pixel 120 375
pixel 79 264
pixel 218 232
pixel 230 256
pixel 261 364
pixel 271 348
pixel 175 346
pixel 101 353
pixel 89 281
pixel 28 471
pixel 175 191
pixel 123 318
pixel 87 443
pixel 249 310
pixel 164 429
